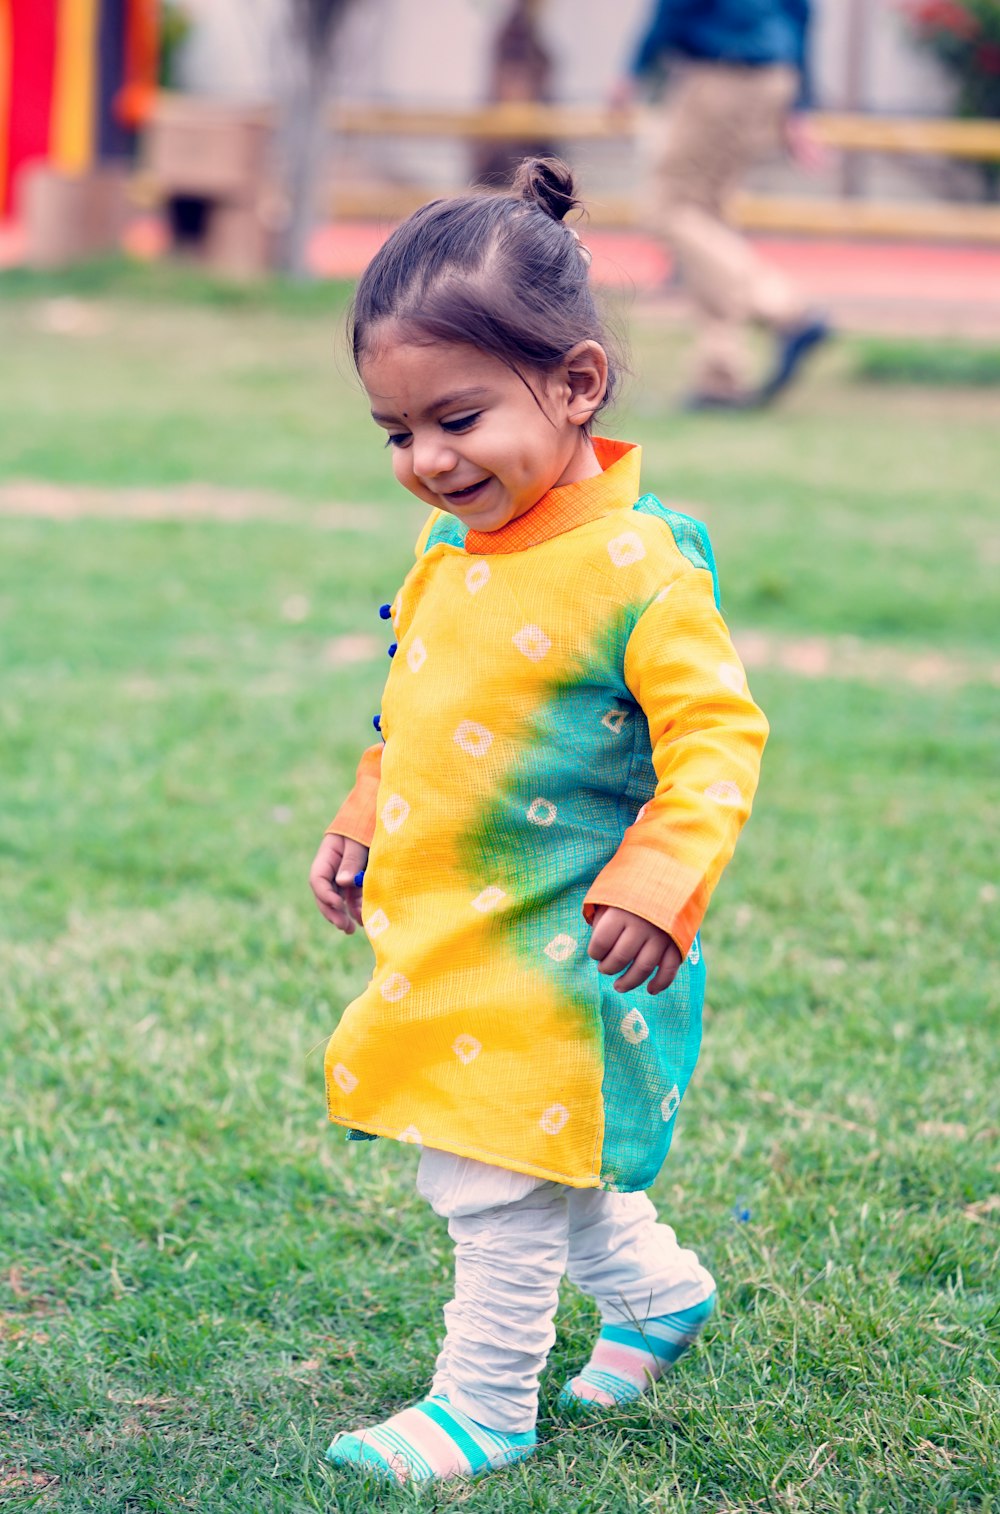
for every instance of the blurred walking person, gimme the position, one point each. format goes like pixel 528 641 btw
pixel 739 73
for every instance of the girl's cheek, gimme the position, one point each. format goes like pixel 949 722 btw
pixel 401 466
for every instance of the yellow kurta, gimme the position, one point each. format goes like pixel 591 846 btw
pixel 565 724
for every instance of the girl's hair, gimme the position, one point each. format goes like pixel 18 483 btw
pixel 500 272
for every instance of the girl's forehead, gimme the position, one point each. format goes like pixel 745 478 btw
pixel 395 364
pixel 395 347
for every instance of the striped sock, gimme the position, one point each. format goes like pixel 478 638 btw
pixel 430 1442
pixel 627 1358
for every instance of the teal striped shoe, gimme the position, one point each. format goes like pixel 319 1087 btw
pixel 626 1359
pixel 430 1442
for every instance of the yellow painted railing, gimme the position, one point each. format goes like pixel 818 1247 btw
pixel 939 220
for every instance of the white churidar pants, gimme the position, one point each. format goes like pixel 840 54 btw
pixel 515 1236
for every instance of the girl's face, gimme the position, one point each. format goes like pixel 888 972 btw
pixel 468 436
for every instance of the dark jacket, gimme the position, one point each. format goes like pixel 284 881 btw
pixel 726 31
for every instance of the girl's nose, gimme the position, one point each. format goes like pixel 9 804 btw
pixel 432 457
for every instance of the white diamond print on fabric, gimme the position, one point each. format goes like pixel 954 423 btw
pixel 634 1028
pixel 541 812
pixel 466 1048
pixel 532 641
pixel 732 675
pixel 694 954
pixel 411 1135
pixel 613 720
pixel 488 899
pixel 561 947
pixel 394 812
pixel 396 986
pixel 625 549
pixel 664 592
pixel 344 1078
pixel 668 1108
pixel 554 1118
pixel 724 792
pixel 477 576
pixel 378 922
pixel 473 738
pixel 416 656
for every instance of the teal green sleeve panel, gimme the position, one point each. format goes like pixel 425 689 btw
pixel 690 535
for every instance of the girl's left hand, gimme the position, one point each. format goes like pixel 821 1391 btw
pixel 620 938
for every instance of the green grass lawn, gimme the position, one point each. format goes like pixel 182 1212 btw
pixel 199 1279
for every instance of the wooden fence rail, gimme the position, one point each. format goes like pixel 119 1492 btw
pixel 513 120
pixel 971 141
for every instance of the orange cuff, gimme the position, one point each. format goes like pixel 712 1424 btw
pixel 356 816
pixel 655 887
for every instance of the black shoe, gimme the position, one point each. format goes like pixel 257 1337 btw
pixel 793 347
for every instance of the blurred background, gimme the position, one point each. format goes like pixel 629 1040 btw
pixel 242 132
pixel 198 1279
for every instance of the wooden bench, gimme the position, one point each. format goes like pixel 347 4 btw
pixel 975 141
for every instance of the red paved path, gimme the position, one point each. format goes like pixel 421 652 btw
pixel 902 286
pixel 898 285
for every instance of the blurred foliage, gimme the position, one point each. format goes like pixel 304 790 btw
pixel 965 36
pixel 175 25
pixel 892 360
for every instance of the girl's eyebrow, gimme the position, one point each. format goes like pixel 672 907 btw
pixel 446 402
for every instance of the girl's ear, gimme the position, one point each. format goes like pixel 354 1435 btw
pixel 585 373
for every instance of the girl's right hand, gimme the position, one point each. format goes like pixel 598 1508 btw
pixel 331 878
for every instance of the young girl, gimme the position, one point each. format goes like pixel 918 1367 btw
pixel 568 752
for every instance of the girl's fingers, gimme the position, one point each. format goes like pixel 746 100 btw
pixel 615 953
pixel 351 897
pixel 331 878
pixel 352 866
pixel 646 960
pixel 354 858
pixel 667 970
pixel 323 887
pixel 338 916
pixel 324 866
pixel 608 929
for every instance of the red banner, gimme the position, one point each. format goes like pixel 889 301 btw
pixel 31 50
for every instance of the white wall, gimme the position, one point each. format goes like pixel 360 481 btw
pixel 229 50
pixel 436 52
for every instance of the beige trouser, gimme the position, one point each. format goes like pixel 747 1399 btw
pixel 720 119
pixel 514 1238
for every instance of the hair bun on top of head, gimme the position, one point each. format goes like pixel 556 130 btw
pixel 547 183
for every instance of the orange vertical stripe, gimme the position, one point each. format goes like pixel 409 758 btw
pixel 142 60
pixel 73 112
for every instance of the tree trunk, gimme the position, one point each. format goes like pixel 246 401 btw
pixel 305 155
pixel 313 26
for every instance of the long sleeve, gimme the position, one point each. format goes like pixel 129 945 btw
pixel 707 736
pixel 659 36
pixel 800 19
pixel 356 816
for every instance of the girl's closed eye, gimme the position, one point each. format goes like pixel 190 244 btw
pixel 462 423
pixel 397 438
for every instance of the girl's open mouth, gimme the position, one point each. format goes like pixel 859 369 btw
pixel 461 496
